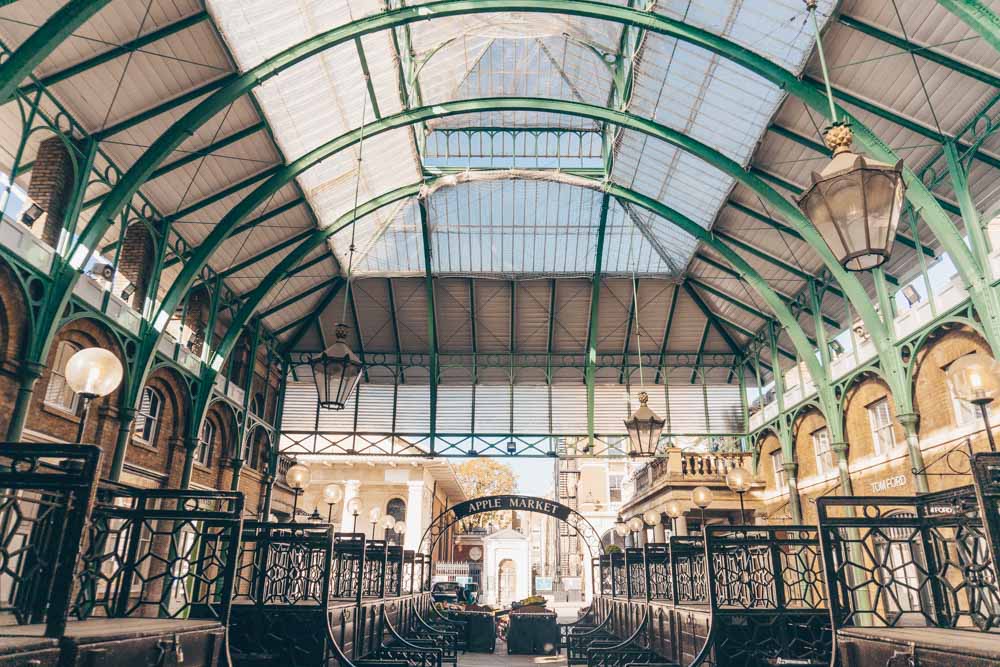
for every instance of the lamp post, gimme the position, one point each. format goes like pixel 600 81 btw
pixel 975 378
pixel 701 496
pixel 739 481
pixel 635 526
pixel 674 511
pixel 92 372
pixel 373 516
pixel 388 523
pixel 354 507
pixel 297 477
pixel 652 519
pixel 400 530
pixel 621 529
pixel 332 494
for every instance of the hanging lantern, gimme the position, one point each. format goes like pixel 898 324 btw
pixel 644 428
pixel 855 203
pixel 336 372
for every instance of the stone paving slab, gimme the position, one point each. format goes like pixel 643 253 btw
pixel 501 659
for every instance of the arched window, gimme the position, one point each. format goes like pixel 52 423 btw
pixel 396 508
pixel 204 453
pixel 258 449
pixel 58 394
pixel 147 420
pixel 257 406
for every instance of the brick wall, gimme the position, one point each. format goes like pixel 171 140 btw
pixel 51 185
pixel 196 317
pixel 887 472
pixel 134 261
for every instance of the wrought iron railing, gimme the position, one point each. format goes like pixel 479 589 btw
pixel 46 495
pixel 159 553
pixel 767 596
pixel 912 561
pixel 284 564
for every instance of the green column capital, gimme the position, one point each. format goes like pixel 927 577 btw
pixel 910 421
pixel 30 371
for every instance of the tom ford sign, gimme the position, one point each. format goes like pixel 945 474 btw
pixel 518 503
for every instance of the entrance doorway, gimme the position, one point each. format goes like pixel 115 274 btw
pixel 507 578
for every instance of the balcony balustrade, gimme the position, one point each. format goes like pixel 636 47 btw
pixel 685 466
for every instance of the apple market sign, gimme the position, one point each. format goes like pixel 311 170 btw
pixel 511 503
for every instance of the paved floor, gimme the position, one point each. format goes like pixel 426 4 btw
pixel 501 659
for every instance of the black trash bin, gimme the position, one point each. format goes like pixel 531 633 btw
pixel 533 634
pixel 480 630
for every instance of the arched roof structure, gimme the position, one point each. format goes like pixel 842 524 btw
pixel 621 147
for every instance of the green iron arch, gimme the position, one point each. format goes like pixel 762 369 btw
pixel 287 264
pixel 921 198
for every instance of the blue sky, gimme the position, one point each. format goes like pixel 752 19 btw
pixel 534 476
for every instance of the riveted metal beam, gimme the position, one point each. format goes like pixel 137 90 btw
pixel 732 300
pixel 266 253
pixel 925 52
pixel 593 322
pixel 977 16
pixel 216 197
pixel 311 318
pixel 111 54
pixel 634 286
pixel 432 338
pixel 666 332
pixel 304 294
pixel 551 332
pixel 42 42
pixel 216 145
pixel 789 301
pixel 908 123
pixel 391 292
pixel 164 107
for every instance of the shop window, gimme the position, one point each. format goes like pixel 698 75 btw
pixel 880 418
pixel 147 420
pixel 58 394
pixel 778 467
pixel 825 462
pixel 203 455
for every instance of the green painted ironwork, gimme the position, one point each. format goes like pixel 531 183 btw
pixel 593 321
pixel 978 16
pixel 118 51
pixel 432 336
pixel 20 64
pixel 925 52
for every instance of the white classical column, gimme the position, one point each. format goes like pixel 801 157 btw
pixel 682 525
pixel 352 488
pixel 659 533
pixel 415 524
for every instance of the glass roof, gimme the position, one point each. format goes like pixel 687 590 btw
pixel 518 226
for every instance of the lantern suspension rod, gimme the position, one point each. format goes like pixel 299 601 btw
pixel 354 214
pixel 811 7
pixel 638 329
